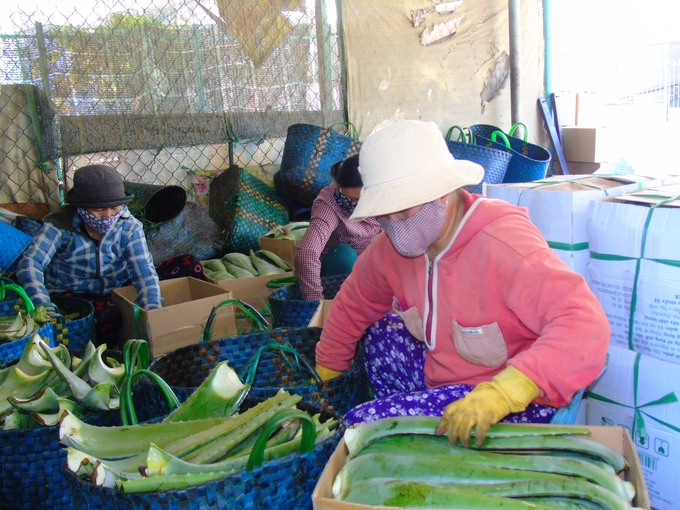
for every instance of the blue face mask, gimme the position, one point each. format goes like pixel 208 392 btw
pixel 343 202
pixel 101 225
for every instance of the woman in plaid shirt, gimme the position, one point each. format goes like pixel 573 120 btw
pixel 332 244
pixel 92 246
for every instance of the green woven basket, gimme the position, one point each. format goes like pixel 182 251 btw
pixel 245 207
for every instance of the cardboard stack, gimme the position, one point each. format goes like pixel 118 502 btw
pixel 640 394
pixel 635 259
pixel 558 206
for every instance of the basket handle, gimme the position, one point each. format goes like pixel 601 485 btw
pixel 496 134
pixel 461 135
pixel 249 370
pixel 22 293
pixel 351 129
pixel 5 280
pixel 514 128
pixel 306 442
pixel 279 283
pixel 249 310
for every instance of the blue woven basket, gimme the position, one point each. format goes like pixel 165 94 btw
pixel 184 369
pixel 494 161
pixel 28 225
pixel 529 161
pixel 283 484
pixel 245 208
pixel 290 310
pixel 308 155
pixel 12 350
pixel 13 242
pixel 76 333
pixel 32 472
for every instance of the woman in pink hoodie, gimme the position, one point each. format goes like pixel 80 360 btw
pixel 508 331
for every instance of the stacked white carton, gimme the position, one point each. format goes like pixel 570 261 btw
pixel 634 244
pixel 558 206
pixel 637 385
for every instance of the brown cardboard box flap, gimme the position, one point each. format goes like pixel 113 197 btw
pixel 187 303
pixel 616 438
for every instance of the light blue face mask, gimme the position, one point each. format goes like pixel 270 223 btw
pixel 413 236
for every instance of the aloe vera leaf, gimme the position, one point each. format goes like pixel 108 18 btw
pixel 215 397
pixel 241 260
pixel 433 446
pixel 428 469
pixel 14 327
pixel 84 365
pixel 99 372
pixel 263 267
pixel 20 385
pixel 285 433
pixel 215 265
pixel 168 482
pixel 98 398
pixel 562 503
pixel 104 476
pixel 574 444
pixel 17 420
pixel 275 259
pixel 358 438
pixel 52 419
pixel 237 271
pixel 576 455
pixel 43 401
pixel 79 387
pixel 161 462
pixel 210 451
pixel 125 441
pixel 563 488
pixel 401 493
pixel 218 276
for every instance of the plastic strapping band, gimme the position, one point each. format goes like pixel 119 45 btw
pixel 638 421
pixel 568 247
pixel 553 183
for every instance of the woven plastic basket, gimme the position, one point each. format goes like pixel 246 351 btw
pixel 28 225
pixel 156 204
pixel 76 333
pixel 186 368
pixel 290 310
pixel 282 484
pixel 191 232
pixel 495 162
pixel 14 242
pixel 245 208
pixel 32 473
pixel 308 155
pixel 529 161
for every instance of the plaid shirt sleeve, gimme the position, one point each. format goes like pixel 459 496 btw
pixel 322 224
pixel 142 271
pixel 34 261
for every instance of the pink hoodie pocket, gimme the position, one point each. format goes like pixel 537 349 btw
pixel 412 320
pixel 482 345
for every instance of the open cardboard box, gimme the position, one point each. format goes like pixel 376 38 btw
pixel 284 248
pixel 187 303
pixel 253 291
pixel 321 313
pixel 614 437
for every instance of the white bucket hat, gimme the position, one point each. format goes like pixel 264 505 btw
pixel 407 164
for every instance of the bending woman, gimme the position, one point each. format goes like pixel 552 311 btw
pixel 332 243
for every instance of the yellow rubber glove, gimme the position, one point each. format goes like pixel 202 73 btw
pixel 488 403
pixel 327 373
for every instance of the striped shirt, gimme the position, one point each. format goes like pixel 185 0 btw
pixel 328 227
pixel 63 258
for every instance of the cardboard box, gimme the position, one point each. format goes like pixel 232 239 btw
pixel 578 168
pixel 616 227
pixel 558 206
pixel 284 248
pixel 253 291
pixel 187 303
pixel 592 144
pixel 658 445
pixel 319 317
pixel 615 437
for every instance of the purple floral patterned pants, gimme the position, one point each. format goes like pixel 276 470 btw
pixel 395 364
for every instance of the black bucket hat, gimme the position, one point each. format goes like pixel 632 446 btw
pixel 97 186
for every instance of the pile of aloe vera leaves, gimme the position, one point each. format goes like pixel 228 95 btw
pixel 399 462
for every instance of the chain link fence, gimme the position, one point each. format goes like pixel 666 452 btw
pixel 166 93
